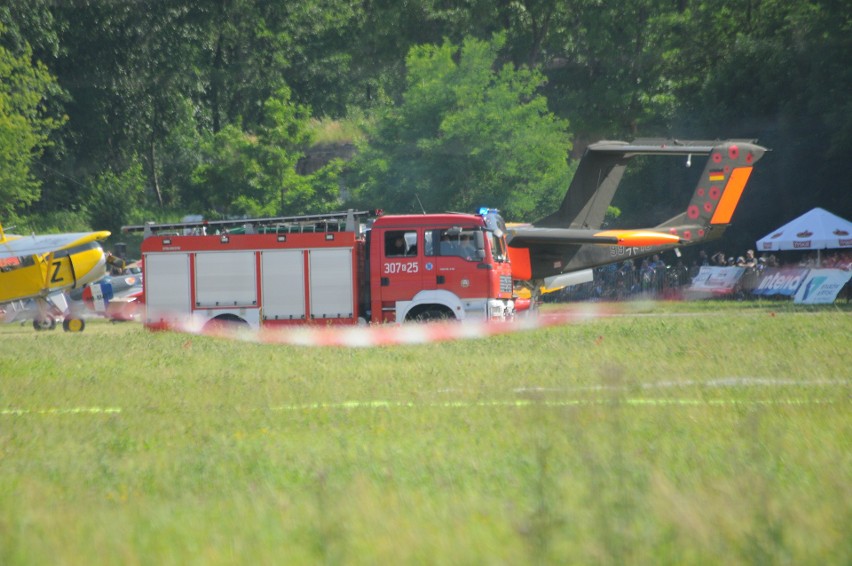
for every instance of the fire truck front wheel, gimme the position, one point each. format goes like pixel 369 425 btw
pixel 430 313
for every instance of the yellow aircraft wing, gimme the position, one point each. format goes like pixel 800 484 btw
pixel 12 245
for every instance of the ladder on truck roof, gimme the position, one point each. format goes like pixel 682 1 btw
pixel 329 222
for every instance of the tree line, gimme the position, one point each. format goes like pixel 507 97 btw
pixel 119 111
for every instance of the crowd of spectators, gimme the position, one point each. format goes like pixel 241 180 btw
pixel 654 278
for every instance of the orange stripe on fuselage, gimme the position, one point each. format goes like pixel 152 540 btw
pixel 640 238
pixel 731 196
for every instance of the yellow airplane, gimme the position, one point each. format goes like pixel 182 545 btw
pixel 41 266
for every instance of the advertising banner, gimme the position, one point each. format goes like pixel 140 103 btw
pixel 718 280
pixel 821 286
pixel 775 281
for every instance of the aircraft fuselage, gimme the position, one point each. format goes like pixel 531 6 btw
pixel 37 275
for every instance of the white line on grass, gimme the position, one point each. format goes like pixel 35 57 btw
pixel 61 411
pixel 383 404
pixel 720 383
pixel 545 403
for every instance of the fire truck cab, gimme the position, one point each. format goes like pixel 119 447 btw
pixel 327 269
pixel 434 266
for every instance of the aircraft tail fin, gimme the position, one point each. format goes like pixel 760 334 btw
pixel 717 192
pixel 602 167
pixel 570 238
pixel 591 190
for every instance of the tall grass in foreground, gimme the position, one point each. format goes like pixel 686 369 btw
pixel 722 437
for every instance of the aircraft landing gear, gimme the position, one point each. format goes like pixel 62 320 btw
pixel 45 322
pixel 73 324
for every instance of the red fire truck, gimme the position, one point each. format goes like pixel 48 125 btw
pixel 328 269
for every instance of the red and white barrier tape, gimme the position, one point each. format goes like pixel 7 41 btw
pixel 368 336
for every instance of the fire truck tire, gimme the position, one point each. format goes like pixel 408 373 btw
pixel 225 322
pixel 429 313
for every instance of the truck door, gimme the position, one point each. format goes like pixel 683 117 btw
pixel 456 262
pixel 167 286
pixel 400 269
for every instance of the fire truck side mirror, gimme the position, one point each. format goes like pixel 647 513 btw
pixel 479 239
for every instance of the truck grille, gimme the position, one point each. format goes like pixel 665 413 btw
pixel 505 283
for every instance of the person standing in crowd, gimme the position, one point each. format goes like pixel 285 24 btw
pixel 680 274
pixel 659 268
pixel 646 276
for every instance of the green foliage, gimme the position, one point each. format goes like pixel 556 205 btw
pixel 282 138
pixel 24 127
pixel 601 61
pixel 228 172
pixel 29 25
pixel 254 174
pixel 314 193
pixel 612 214
pixel 54 222
pixel 455 141
pixel 180 154
pixel 115 197
pixel 156 82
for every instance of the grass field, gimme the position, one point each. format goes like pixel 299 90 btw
pixel 673 434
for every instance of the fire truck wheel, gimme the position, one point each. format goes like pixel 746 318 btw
pixel 225 322
pixel 46 323
pixel 430 313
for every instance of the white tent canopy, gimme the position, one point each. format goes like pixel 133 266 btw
pixel 814 230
